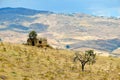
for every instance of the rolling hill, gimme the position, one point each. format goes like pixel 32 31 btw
pixel 20 62
pixel 77 30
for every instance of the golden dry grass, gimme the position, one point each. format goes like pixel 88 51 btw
pixel 20 62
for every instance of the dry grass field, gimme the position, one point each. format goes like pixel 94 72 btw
pixel 20 62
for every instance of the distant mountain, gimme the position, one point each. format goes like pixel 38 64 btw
pixel 39 27
pixel 16 16
pixel 12 14
pixel 75 30
pixel 21 11
pixel 105 45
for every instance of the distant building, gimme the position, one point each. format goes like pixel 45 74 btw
pixel 39 42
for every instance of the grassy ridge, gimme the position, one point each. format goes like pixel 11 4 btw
pixel 19 62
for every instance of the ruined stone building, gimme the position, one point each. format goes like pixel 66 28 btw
pixel 39 42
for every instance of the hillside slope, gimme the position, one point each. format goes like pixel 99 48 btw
pixel 20 62
pixel 61 29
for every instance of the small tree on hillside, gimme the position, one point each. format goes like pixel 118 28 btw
pixel 32 35
pixel 88 57
pixel 0 39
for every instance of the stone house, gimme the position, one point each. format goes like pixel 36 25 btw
pixel 39 42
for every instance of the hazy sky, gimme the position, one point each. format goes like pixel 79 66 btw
pixel 94 7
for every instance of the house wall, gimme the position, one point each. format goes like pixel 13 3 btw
pixel 37 42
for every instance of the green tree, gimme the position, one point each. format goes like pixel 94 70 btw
pixel 32 35
pixel 88 57
pixel 0 39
